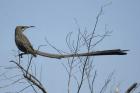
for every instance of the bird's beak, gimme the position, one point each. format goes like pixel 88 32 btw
pixel 30 26
pixel 26 27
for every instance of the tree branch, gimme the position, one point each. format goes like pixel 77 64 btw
pixel 131 88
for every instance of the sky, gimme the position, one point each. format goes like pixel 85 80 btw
pixel 54 19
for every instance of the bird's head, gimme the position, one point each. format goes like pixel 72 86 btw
pixel 23 28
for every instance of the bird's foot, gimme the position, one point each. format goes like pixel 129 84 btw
pixel 21 54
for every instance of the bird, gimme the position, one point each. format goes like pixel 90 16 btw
pixel 24 45
pixel 22 42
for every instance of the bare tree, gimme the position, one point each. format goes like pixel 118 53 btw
pixel 85 72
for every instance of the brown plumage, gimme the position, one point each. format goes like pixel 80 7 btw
pixel 22 41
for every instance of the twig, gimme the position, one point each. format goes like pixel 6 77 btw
pixel 106 83
pixel 131 88
pixel 30 78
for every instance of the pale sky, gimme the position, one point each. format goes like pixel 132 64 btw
pixel 54 19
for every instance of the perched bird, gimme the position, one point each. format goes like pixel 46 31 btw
pixel 25 46
pixel 22 41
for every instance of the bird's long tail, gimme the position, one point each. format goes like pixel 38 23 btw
pixel 93 53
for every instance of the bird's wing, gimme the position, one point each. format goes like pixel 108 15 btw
pixel 27 43
pixel 24 44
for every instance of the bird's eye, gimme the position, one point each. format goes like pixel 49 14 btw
pixel 22 28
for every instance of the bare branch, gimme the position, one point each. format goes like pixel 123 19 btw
pixel 132 88
pixel 24 88
pixel 106 83
pixel 30 78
